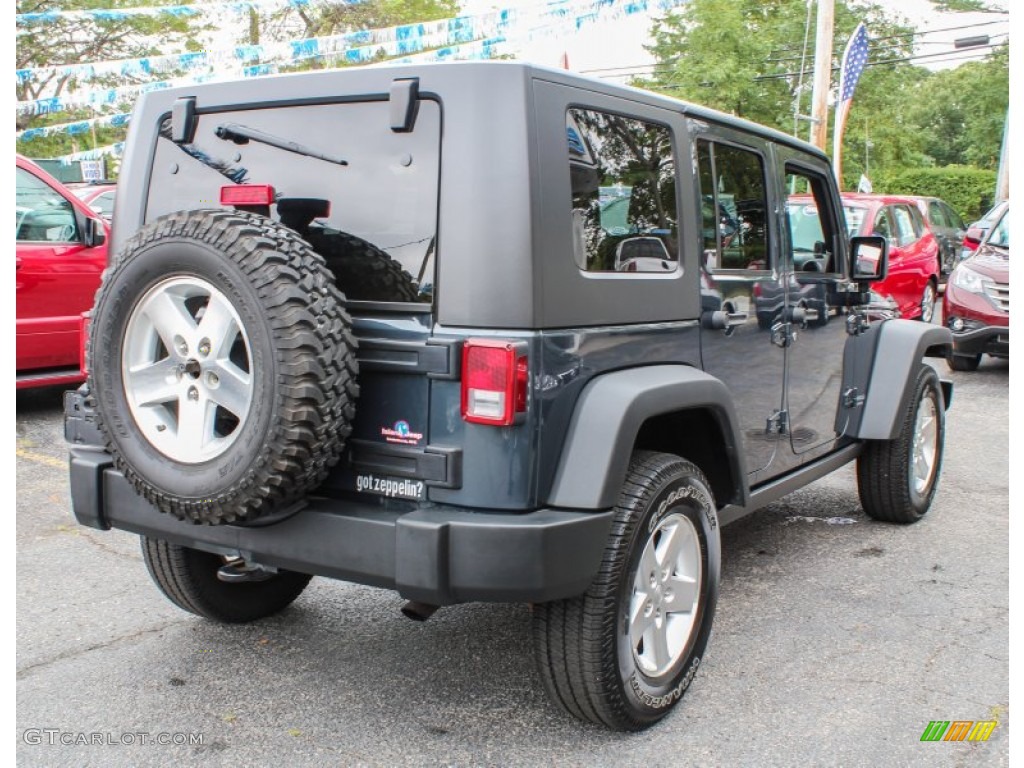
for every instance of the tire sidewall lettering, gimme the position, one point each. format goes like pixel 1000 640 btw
pixel 670 698
pixel 689 493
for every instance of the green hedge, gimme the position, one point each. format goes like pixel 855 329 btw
pixel 969 190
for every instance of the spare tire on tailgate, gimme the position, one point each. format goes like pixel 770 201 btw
pixel 363 271
pixel 222 366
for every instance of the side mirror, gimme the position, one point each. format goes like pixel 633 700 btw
pixel 93 233
pixel 869 258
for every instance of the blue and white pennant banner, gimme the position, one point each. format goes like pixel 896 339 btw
pixel 566 14
pixel 236 7
pixel 76 128
pixel 113 150
pixel 415 36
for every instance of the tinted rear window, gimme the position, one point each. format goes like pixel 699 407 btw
pixel 379 232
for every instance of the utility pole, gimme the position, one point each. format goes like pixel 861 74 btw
pixel 822 72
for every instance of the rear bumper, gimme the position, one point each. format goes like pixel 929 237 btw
pixel 432 554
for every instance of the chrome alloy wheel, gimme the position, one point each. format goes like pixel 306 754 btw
pixel 926 445
pixel 928 303
pixel 187 369
pixel 666 591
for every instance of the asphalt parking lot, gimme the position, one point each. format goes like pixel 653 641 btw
pixel 837 640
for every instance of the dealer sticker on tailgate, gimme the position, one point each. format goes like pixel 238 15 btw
pixel 392 487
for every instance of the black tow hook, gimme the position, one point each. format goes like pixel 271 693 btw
pixel 419 611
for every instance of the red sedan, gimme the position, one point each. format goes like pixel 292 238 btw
pixel 913 276
pixel 61 254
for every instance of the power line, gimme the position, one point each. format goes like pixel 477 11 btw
pixel 893 47
pixel 965 53
pixel 916 33
pixel 655 68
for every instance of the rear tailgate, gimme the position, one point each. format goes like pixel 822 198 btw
pixel 364 192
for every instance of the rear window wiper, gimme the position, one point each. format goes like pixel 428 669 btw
pixel 241 134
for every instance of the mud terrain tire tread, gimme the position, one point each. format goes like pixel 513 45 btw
pixel 356 262
pixel 311 342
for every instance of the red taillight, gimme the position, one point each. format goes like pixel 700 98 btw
pixel 247 194
pixel 83 338
pixel 973 237
pixel 495 380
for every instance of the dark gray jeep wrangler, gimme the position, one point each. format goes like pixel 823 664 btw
pixel 485 332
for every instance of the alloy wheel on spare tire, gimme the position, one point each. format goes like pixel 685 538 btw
pixel 222 366
pixel 622 654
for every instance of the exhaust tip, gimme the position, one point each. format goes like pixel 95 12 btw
pixel 419 611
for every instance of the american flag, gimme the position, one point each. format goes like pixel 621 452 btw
pixel 855 58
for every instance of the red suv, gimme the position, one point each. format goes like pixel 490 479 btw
pixel 913 277
pixel 61 254
pixel 976 307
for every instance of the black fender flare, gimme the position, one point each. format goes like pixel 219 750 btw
pixel 608 415
pixel 898 351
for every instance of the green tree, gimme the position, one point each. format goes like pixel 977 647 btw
pixel 713 52
pixel 960 112
pixel 76 41
pixel 333 18
pixel 70 40
pixel 745 56
pixel 337 17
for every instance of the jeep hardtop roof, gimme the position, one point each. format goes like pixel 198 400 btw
pixel 501 229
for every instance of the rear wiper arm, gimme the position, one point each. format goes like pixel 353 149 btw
pixel 241 134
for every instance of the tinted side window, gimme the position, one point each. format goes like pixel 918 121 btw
pixel 42 215
pixel 623 193
pixel 937 215
pixel 104 204
pixel 953 218
pixel 882 226
pixel 918 218
pixel 905 231
pixel 811 226
pixel 1001 232
pixel 733 207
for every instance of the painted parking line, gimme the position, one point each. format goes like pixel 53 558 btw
pixel 40 458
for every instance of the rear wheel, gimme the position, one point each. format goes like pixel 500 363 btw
pixel 622 654
pixel 188 578
pixel 897 478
